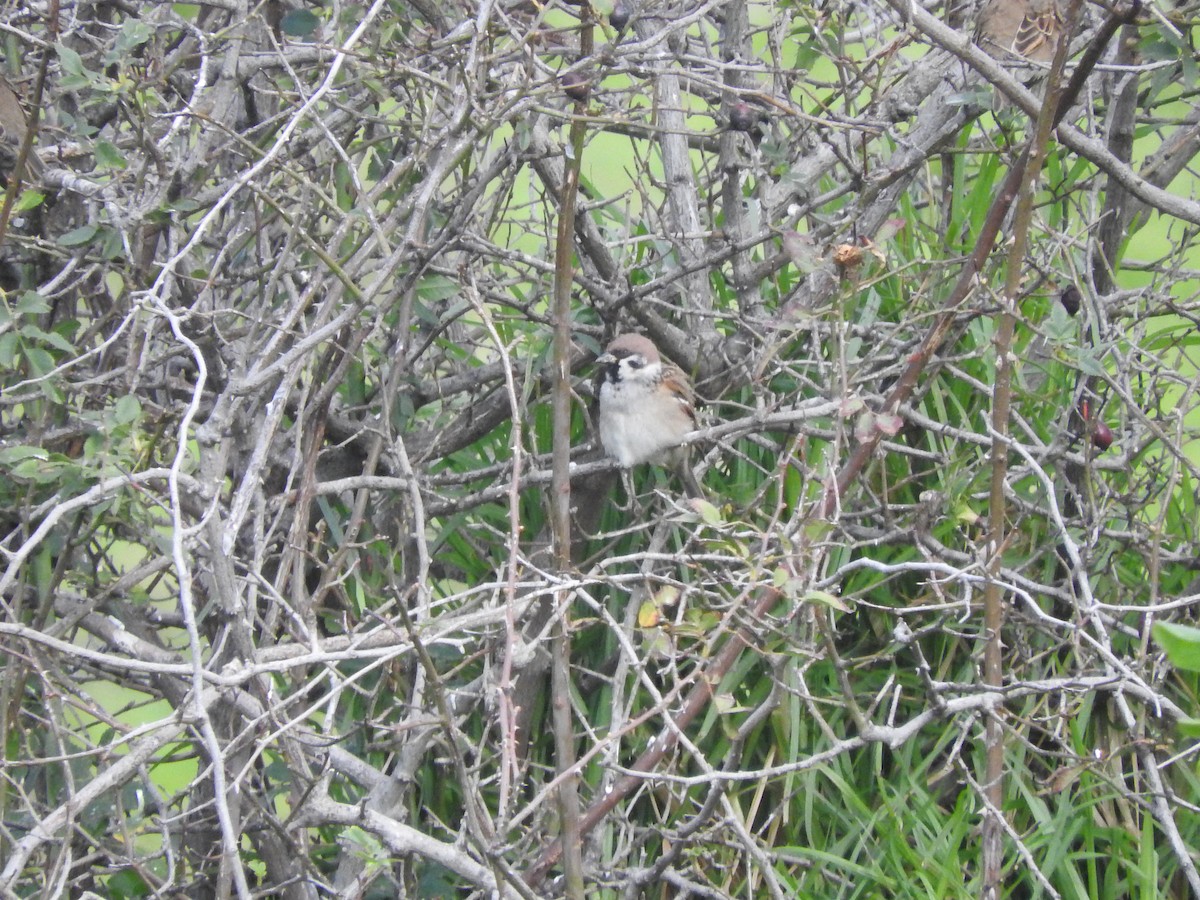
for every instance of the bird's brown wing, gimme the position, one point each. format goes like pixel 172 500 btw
pixel 1038 34
pixel 681 389
pixel 1027 28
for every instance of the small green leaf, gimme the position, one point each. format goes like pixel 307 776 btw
pixel 1088 362
pixel 57 341
pixel 71 62
pixel 1182 643
pixel 114 283
pixel 109 157
pixel 434 288
pixel 127 410
pixel 10 456
pixel 114 244
pixel 724 703
pixel 708 513
pixel 8 349
pixel 364 845
pixel 32 304
pixel 668 595
pixel 1188 727
pixel 28 200
pixel 975 97
pixel 127 884
pixel 826 599
pixel 134 33
pixel 864 427
pixel 964 515
pixel 78 236
pixel 40 362
pixel 38 471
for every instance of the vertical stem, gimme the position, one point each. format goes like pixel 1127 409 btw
pixel 560 492
pixel 993 599
pixel 11 691
pixel 20 170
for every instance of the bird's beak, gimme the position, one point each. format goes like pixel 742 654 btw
pixel 605 359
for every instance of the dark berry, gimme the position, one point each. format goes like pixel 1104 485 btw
pixel 742 116
pixel 1070 298
pixel 1102 436
pixel 576 85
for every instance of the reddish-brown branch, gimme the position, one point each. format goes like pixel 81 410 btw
pixel 560 492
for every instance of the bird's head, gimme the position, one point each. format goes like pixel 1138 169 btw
pixel 630 357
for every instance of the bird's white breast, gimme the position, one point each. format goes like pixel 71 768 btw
pixel 631 426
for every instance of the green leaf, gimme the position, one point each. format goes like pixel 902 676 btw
pixel 127 883
pixel 1182 644
pixel 8 349
pixel 78 236
pixel 109 157
pixel 32 304
pixel 708 513
pixel 667 595
pixel 114 283
pixel 1188 727
pixel 364 845
pixel 127 410
pixel 299 23
pixel 826 599
pixel 40 361
pixel 114 245
pixel 38 471
pixel 71 62
pixel 10 456
pixel 28 200
pixel 57 341
pixel 648 615
pixel 434 288
pixel 134 33
pixel 724 703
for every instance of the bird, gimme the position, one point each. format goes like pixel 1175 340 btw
pixel 13 126
pixel 1028 29
pixel 1023 35
pixel 647 406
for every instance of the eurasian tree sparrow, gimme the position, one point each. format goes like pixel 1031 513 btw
pixel 647 406
pixel 1021 28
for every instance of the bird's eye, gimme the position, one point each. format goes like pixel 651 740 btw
pixel 635 362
